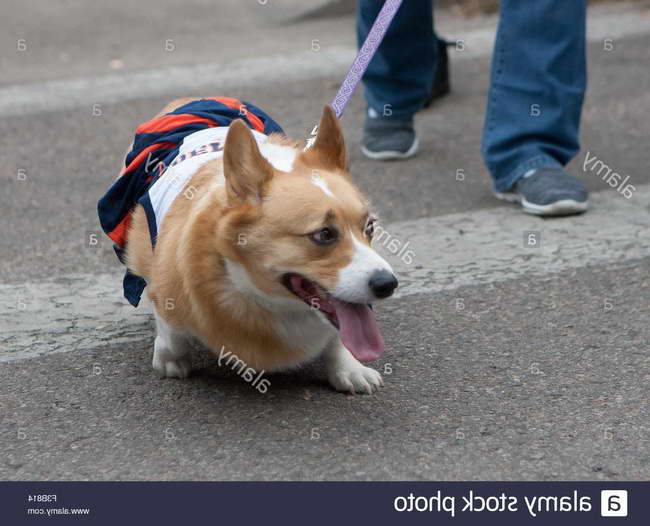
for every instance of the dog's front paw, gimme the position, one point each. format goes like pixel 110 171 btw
pixel 170 365
pixel 167 368
pixel 352 377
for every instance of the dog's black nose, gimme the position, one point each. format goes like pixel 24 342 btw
pixel 382 283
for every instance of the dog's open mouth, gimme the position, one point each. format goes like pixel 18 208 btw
pixel 355 322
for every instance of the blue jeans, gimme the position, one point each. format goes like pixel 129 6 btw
pixel 537 82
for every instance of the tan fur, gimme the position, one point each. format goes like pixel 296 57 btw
pixel 271 211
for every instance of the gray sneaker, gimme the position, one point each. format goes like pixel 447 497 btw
pixel 388 139
pixel 548 191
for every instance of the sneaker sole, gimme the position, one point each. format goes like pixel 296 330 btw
pixel 563 207
pixel 389 155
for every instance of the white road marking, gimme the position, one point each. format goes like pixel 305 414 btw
pixel 603 22
pixel 86 312
pixel 82 311
pixel 489 246
pixel 56 95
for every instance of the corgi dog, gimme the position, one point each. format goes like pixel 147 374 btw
pixel 265 252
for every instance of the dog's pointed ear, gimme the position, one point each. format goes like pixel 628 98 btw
pixel 246 171
pixel 328 149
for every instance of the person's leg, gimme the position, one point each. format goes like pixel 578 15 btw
pixel 400 75
pixel 399 78
pixel 537 89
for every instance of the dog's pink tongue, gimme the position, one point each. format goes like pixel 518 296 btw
pixel 359 330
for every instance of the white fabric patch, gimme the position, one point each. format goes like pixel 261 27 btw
pixel 196 150
pixel 281 157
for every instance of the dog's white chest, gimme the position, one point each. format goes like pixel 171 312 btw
pixel 306 331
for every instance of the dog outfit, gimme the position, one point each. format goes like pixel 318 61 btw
pixel 166 152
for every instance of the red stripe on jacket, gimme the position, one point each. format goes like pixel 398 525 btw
pixel 170 121
pixel 146 151
pixel 118 234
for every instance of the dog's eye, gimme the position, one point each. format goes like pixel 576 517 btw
pixel 324 236
pixel 369 228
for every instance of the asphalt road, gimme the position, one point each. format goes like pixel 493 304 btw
pixel 533 375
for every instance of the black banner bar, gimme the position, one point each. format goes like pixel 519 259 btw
pixel 331 503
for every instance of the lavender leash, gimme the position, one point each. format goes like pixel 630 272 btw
pixel 360 64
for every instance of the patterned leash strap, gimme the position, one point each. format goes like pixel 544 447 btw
pixel 360 64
